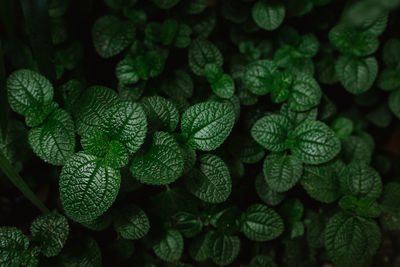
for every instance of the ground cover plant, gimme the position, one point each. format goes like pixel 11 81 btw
pixel 256 133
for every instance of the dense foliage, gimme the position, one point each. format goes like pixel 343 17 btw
pixel 256 133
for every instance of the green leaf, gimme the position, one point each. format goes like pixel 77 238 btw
pixel 315 226
pixel 126 123
pixel 100 223
pixel 210 180
pixel 259 75
pixel 266 194
pixel 71 91
pixel 390 205
pixel 213 72
pixel 90 112
pixel 83 252
pixel 394 103
pixel 281 84
pixel 351 240
pixel 51 231
pixel 178 84
pixel 363 207
pixel 261 223
pixel 126 71
pixel 54 141
pixel 349 41
pixel 27 89
pixel 161 164
pixel 87 187
pixel 281 171
pixel 224 248
pixel 37 114
pixel 112 35
pixel 182 37
pixel 131 222
pixel 201 53
pixel 391 53
pixel 206 125
pixel 165 4
pixel 268 15
pixel 355 148
pixel 342 126
pixel 271 132
pixel 188 224
pixel 296 117
pixel 224 87
pixel 262 261
pixel 315 143
pixel 13 246
pixel 305 93
pixel 170 247
pixel 361 180
pixel 323 182
pixel 199 247
pixel 161 113
pixel 356 74
pixel 389 79
pixel 95 143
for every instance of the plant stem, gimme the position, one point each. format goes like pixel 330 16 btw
pixel 17 180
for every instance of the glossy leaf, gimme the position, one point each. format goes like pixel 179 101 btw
pixel 268 15
pixel 305 93
pixel 161 114
pixel 13 246
pixel 258 76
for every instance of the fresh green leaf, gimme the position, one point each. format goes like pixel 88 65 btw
pixel 363 207
pixel 188 224
pixel 201 53
pixel 259 75
pixel 305 93
pixel 131 222
pixel 199 247
pixel 224 87
pixel 170 247
pixel 268 15
pixel 343 127
pixel 13 246
pixel 224 248
pixel 161 114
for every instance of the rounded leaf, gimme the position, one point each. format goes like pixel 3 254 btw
pixel 266 194
pixel 161 164
pixel 206 125
pixel 13 244
pixel 131 222
pixel 170 247
pixel 201 53
pixel 210 180
pixel 224 87
pixel 268 15
pixel 51 231
pixel 224 248
pixel 161 113
pixel 305 93
pixel 315 143
pixel 54 141
pixel 271 132
pixel 87 187
pixel 111 35
pixel 281 171
pixel 27 89
pixel 261 223
pixel 258 76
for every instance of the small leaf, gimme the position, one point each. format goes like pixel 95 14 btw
pixel 224 248
pixel 131 222
pixel 315 143
pixel 28 89
pixel 343 127
pixel 112 35
pixel 305 93
pixel 297 118
pixel 54 141
pixel 170 247
pixel 356 74
pixel 210 180
pixel 271 132
pixel 13 246
pixel 361 181
pixel 161 114
pixel 87 187
pixel 199 247
pixel 117 156
pixel 351 240
pixel 206 125
pixel 51 231
pixel 188 224
pixel 201 53
pixel 259 75
pixel 262 261
pixel 363 207
pixel 268 15
pixel 281 84
pixel 161 164
pixel 261 223
pixel 266 194
pixel 281 172
pixel 224 87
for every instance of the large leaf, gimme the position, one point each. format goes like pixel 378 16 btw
pixel 351 240
pixel 131 222
pixel 111 35
pixel 314 143
pixel 170 247
pixel 271 132
pixel 361 181
pixel 54 141
pixel 268 14
pixel 258 76
pixel 223 248
pixel 13 246
pixel 201 53
pixel 87 187
pixel 161 164
pixel 51 231
pixel 206 125
pixel 27 89
pixel 210 180
pixel 356 74
pixel 281 171
pixel 261 223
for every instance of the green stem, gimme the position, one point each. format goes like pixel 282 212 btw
pixel 17 180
